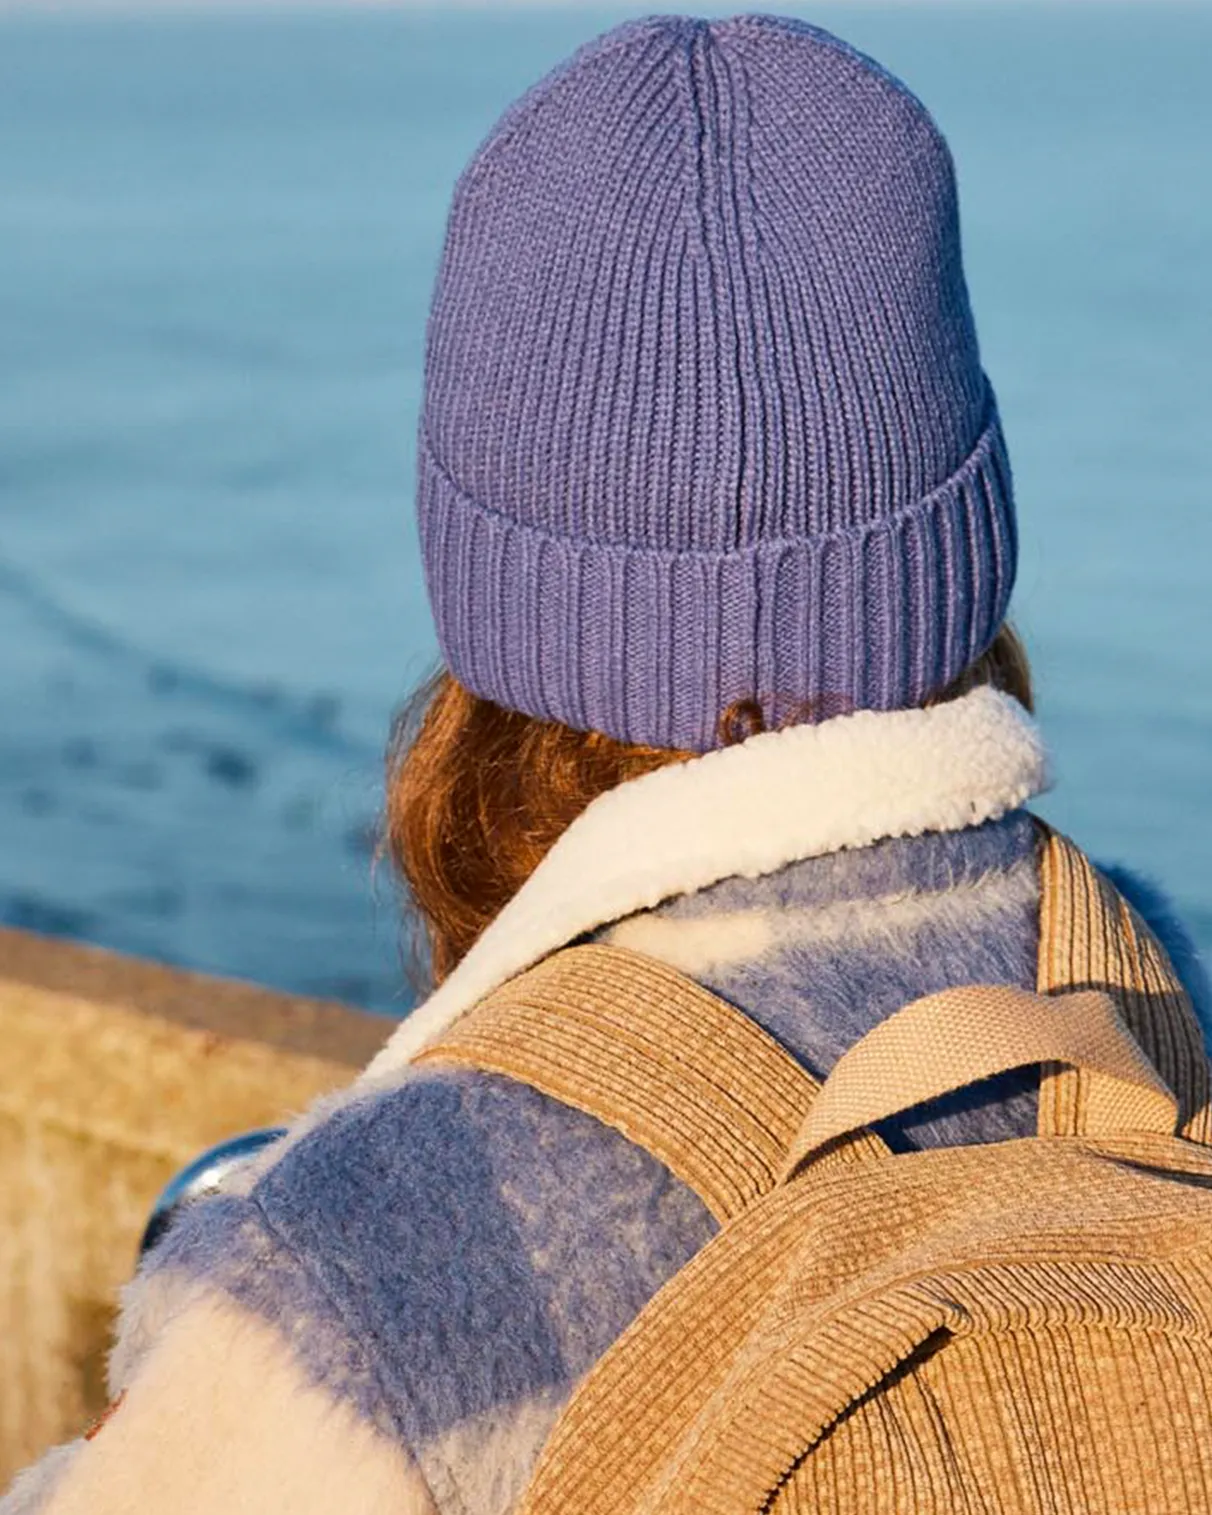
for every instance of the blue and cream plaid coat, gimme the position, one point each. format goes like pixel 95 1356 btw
pixel 394 1312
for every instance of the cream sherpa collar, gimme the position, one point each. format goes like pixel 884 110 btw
pixel 747 811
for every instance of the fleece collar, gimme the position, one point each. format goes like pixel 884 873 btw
pixel 746 811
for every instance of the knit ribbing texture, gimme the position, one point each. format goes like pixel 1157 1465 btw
pixel 705 419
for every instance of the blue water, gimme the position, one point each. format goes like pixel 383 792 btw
pixel 217 235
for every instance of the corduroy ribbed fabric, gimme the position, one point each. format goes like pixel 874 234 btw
pixel 704 417
pixel 1027 1322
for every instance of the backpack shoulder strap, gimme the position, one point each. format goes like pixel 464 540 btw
pixel 1091 938
pixel 672 1066
pixel 634 1043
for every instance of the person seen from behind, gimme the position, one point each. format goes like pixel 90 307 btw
pixel 727 765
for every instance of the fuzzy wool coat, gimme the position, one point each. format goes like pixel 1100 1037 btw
pixel 395 1306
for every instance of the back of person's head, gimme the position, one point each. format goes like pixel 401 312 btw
pixel 706 445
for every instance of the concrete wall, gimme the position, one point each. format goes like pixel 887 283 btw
pixel 113 1075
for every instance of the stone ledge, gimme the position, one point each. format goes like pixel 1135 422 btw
pixel 114 1073
pixel 316 1028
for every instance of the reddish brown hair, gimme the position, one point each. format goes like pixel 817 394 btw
pixel 477 795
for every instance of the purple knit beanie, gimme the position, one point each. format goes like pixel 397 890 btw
pixel 704 417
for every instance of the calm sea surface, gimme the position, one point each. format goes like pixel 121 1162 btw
pixel 217 236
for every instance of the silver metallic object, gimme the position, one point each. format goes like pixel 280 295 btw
pixel 205 1175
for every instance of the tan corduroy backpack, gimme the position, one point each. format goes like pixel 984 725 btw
pixel 1021 1326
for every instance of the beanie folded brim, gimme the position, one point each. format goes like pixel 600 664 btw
pixel 654 647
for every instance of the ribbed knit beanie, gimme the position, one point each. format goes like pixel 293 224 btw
pixel 704 418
